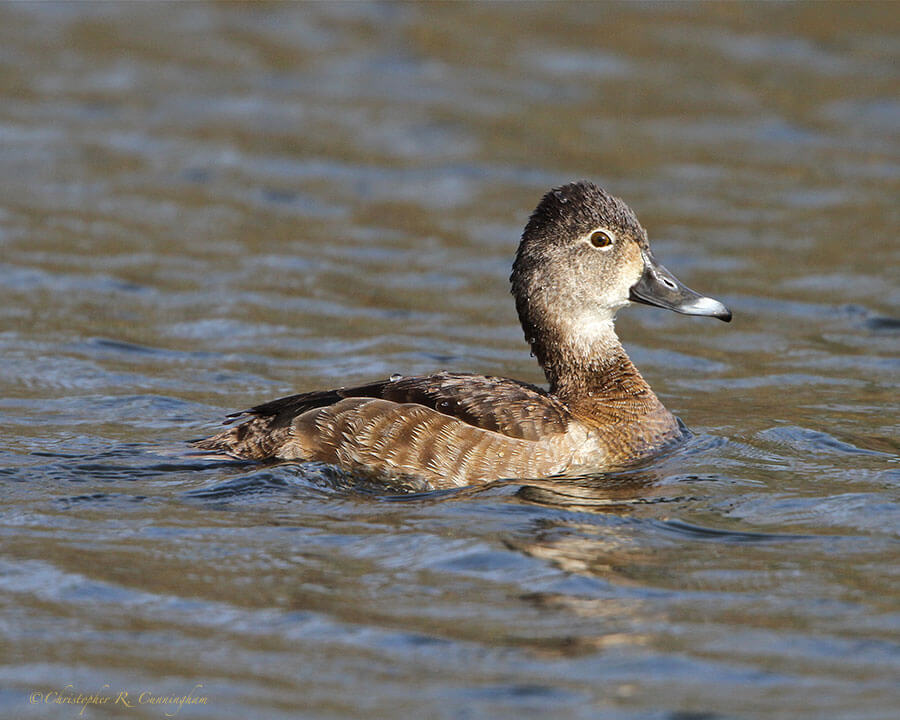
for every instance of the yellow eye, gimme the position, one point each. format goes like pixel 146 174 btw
pixel 600 239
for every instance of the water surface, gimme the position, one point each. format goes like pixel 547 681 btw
pixel 206 206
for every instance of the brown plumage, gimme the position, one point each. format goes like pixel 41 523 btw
pixel 583 255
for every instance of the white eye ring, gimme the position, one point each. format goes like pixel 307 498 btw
pixel 601 239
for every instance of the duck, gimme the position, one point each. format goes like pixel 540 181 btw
pixel 582 257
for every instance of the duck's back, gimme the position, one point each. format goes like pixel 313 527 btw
pixel 450 429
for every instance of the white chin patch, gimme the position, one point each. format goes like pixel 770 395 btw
pixel 592 325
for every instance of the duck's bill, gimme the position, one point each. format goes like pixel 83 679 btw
pixel 657 286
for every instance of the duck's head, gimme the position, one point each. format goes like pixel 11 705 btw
pixel 584 255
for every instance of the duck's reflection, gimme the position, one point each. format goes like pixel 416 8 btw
pixel 603 544
pixel 598 538
pixel 608 493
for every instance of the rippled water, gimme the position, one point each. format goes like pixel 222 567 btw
pixel 206 206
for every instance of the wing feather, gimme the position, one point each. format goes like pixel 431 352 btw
pixel 511 408
pixel 450 428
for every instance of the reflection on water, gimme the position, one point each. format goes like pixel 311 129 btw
pixel 216 205
pixel 605 493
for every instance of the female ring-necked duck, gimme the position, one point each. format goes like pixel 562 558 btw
pixel 583 255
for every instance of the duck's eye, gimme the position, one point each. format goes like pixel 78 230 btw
pixel 601 239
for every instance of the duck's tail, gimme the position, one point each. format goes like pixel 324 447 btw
pixel 254 439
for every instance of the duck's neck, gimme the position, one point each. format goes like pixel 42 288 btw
pixel 589 370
